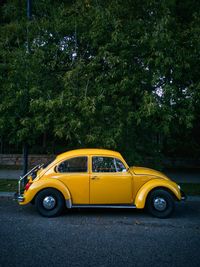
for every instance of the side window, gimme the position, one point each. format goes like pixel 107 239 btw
pixel 119 166
pixel 107 164
pixel 78 164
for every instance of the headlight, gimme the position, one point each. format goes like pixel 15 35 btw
pixel 179 187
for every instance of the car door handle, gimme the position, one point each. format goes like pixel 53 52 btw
pixel 95 177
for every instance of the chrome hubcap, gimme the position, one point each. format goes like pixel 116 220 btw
pixel 159 203
pixel 49 202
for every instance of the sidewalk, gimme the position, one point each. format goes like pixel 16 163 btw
pixel 184 176
pixel 10 174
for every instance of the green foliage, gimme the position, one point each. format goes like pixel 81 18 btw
pixel 116 74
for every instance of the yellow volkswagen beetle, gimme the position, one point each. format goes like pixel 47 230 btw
pixel 96 178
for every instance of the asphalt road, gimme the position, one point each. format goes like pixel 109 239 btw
pixel 99 237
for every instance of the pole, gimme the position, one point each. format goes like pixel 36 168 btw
pixel 29 9
pixel 25 145
pixel 25 159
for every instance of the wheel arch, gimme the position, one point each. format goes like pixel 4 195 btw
pixel 165 189
pixel 41 185
pixel 155 184
pixel 54 188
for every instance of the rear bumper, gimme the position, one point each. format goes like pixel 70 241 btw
pixel 19 198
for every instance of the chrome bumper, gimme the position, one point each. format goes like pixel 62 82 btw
pixel 183 196
pixel 19 198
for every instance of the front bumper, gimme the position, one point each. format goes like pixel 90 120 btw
pixel 183 195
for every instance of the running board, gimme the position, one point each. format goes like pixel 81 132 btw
pixel 105 206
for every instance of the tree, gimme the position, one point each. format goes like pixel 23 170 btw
pixel 113 74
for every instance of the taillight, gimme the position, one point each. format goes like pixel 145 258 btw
pixel 27 186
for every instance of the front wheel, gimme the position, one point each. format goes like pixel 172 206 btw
pixel 160 203
pixel 49 202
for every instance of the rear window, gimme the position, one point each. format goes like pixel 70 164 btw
pixel 47 163
pixel 78 164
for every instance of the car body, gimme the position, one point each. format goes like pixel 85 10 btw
pixel 97 178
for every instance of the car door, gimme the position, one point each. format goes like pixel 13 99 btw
pixel 110 182
pixel 74 173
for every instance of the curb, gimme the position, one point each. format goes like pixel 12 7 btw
pixel 11 195
pixel 7 194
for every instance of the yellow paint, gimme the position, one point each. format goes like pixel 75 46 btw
pixel 130 187
pixel 111 188
pixel 146 171
pixel 77 184
pixel 43 184
pixel 142 194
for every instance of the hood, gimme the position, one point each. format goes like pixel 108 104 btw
pixel 147 171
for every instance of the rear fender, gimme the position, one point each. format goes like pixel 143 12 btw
pixel 41 184
pixel 141 197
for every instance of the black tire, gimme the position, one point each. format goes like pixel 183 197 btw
pixel 49 202
pixel 160 203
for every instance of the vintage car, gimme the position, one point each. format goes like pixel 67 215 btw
pixel 97 178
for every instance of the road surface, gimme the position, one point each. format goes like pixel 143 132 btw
pixel 99 237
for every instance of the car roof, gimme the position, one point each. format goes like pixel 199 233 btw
pixel 88 151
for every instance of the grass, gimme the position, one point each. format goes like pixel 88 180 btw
pixel 8 185
pixel 10 167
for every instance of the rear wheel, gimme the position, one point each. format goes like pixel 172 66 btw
pixel 160 203
pixel 49 202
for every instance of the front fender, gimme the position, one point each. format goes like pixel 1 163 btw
pixel 43 184
pixel 143 192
